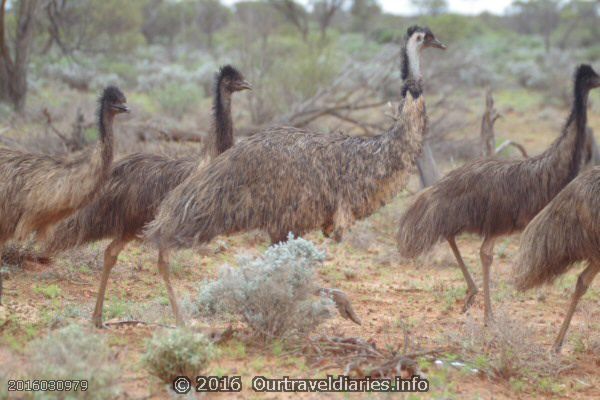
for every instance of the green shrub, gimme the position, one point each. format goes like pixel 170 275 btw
pixel 72 353
pixel 177 352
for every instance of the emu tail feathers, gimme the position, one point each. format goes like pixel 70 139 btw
pixel 550 245
pixel 421 226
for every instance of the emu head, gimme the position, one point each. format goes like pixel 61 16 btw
pixel 421 38
pixel 586 77
pixel 416 39
pixel 231 80
pixel 113 100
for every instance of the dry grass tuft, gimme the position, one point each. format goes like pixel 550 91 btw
pixel 507 349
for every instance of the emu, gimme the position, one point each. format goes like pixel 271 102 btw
pixel 563 233
pixel 136 186
pixel 285 179
pixel 494 197
pixel 39 190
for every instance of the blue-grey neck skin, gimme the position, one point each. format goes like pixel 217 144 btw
pixel 411 68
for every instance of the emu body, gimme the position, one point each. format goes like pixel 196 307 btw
pixel 285 179
pixel 494 197
pixel 566 231
pixel 291 180
pixel 135 188
pixel 38 190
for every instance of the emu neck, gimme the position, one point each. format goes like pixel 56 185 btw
pixel 106 135
pixel 570 145
pixel 414 62
pixel 411 70
pixel 397 149
pixel 223 123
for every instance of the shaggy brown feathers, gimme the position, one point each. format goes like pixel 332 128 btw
pixel 286 180
pixel 291 180
pixel 138 183
pixel 566 231
pixel 39 190
pixel 493 197
pixel 136 186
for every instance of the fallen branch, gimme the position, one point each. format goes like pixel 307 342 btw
pixel 518 146
pixel 359 357
pixel 149 133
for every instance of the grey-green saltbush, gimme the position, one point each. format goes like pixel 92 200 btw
pixel 176 352
pixel 273 294
pixel 73 353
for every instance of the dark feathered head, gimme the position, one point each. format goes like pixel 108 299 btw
pixel 231 80
pixel 114 100
pixel 586 78
pixel 423 36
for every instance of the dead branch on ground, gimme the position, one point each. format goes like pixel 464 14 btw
pixel 147 133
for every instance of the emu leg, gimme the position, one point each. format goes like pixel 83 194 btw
pixel 471 287
pixel 583 282
pixel 163 269
pixel 342 219
pixel 486 252
pixel 327 229
pixel 110 259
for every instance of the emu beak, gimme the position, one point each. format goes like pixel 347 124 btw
pixel 245 85
pixel 433 42
pixel 122 108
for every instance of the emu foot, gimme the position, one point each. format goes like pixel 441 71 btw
pixel 557 347
pixel 488 319
pixel 342 303
pixel 97 321
pixel 469 299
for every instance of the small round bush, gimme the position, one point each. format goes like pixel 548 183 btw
pixel 74 353
pixel 177 352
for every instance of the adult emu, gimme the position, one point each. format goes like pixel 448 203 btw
pixel 494 197
pixel 38 190
pixel 564 232
pixel 136 186
pixel 291 180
